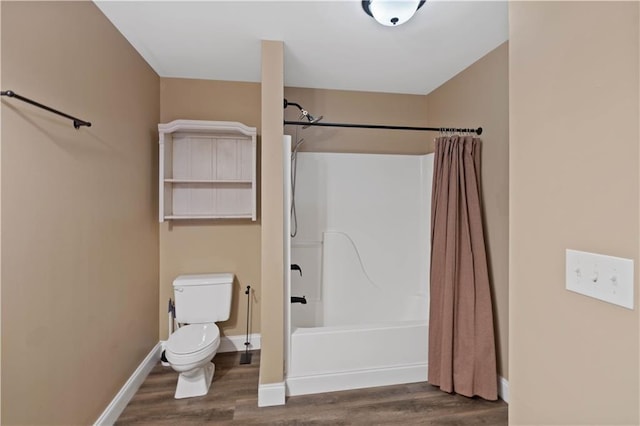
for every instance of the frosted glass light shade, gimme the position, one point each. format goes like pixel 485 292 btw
pixel 392 13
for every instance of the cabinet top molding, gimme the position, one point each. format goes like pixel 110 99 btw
pixel 203 126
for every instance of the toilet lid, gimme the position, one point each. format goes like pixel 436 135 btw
pixel 193 338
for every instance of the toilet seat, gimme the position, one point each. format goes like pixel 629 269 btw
pixel 192 343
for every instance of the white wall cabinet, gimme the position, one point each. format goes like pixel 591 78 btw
pixel 207 170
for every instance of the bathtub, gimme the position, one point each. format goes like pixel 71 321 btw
pixel 325 359
pixel 365 272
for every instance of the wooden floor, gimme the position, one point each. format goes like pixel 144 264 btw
pixel 233 399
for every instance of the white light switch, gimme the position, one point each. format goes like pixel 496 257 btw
pixel 599 276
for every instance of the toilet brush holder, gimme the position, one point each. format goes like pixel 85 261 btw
pixel 245 358
pixel 163 360
pixel 171 312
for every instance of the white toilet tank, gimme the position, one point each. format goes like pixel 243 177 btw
pixel 203 298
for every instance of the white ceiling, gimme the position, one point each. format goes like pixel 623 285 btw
pixel 328 44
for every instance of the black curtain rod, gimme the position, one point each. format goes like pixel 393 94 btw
pixel 477 131
pixel 76 121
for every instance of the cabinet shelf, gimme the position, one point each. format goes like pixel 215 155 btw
pixel 217 216
pixel 207 170
pixel 212 181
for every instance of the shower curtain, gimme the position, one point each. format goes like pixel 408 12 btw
pixel 461 338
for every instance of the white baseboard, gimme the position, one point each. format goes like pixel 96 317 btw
pixel 122 398
pixel 271 394
pixel 236 343
pixel 369 378
pixel 503 389
pixel 356 379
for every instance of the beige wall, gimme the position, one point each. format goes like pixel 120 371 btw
pixel 341 106
pixel 80 240
pixel 574 183
pixel 197 246
pixel 272 241
pixel 479 96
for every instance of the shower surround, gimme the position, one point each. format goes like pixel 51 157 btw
pixel 363 245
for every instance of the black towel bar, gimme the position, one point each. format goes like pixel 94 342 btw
pixel 76 121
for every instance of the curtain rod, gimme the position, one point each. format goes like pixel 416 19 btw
pixel 76 121
pixel 477 131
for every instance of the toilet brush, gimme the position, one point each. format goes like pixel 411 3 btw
pixel 171 311
pixel 245 358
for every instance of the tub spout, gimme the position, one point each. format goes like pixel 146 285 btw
pixel 295 299
pixel 295 267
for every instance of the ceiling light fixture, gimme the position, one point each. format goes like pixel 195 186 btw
pixel 391 13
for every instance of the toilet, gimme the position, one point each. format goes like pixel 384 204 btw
pixel 201 301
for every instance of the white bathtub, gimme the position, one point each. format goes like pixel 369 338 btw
pixel 325 359
pixel 363 246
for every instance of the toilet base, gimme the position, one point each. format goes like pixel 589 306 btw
pixel 195 382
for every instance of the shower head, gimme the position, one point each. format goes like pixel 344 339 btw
pixel 310 118
pixel 304 114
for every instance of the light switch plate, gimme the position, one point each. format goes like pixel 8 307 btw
pixel 599 276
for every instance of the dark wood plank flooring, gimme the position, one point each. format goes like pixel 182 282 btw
pixel 233 399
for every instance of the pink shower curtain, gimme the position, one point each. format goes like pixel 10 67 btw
pixel 461 339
